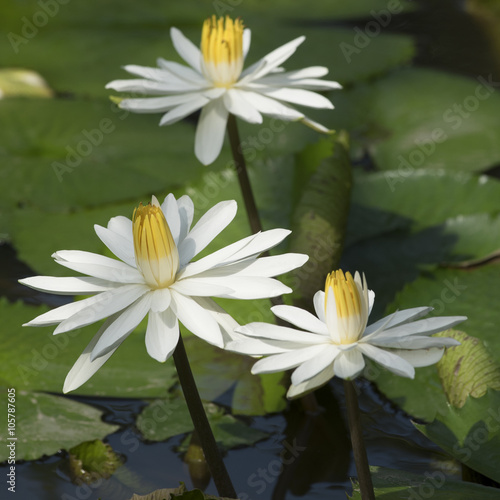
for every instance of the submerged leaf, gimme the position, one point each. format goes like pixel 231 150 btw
pixel 320 217
pixel 91 461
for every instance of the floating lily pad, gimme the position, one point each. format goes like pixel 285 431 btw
pixel 450 123
pixel 392 484
pixel 46 424
pixel 451 292
pixel 470 434
pixel 34 359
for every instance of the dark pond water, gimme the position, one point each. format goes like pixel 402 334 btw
pixel 319 459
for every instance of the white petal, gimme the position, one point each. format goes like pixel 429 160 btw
pixel 68 286
pixel 183 110
pixel 321 379
pixel 250 287
pixel 336 327
pixel 286 360
pixel 186 49
pixel 196 319
pixel 254 347
pixel 299 96
pixel 423 327
pixel 210 131
pixel 315 365
pixel 201 288
pixel 122 247
pixel 271 107
pixel 273 59
pixel 247 38
pixel 414 342
pixel 315 125
pixel 122 226
pixel 397 318
pixel 235 102
pixel 206 229
pixel 214 259
pixel 105 304
pixel 389 359
pixel 310 72
pixel 274 265
pixel 156 104
pixel 55 316
pixel 349 364
pixel 181 71
pixel 300 318
pixel 186 214
pixel 148 87
pixel 98 266
pixel 122 326
pixel 319 305
pixel 83 369
pixel 160 300
pixel 226 322
pixel 162 335
pixel 260 243
pixel 420 357
pixel 268 331
pixel 171 212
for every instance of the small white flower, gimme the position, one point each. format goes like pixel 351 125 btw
pixel 156 278
pixel 334 342
pixel 215 81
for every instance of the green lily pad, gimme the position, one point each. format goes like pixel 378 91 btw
pixel 165 418
pixel 449 123
pixel 46 424
pixel 64 154
pixel 451 292
pixel 114 40
pixel 389 227
pixel 392 484
pixel 34 359
pixel 471 434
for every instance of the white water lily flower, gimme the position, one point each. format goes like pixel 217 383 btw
pixel 216 82
pixel 156 278
pixel 336 341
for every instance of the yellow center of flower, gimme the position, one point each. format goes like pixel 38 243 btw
pixel 347 320
pixel 156 254
pixel 347 297
pixel 222 49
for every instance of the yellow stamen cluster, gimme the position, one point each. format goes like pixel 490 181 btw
pixel 347 296
pixel 156 254
pixel 222 49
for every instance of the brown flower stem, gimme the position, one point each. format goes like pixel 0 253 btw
pixel 198 416
pixel 358 446
pixel 241 170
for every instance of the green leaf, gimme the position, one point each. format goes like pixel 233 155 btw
pixel 392 484
pixel 92 460
pixel 452 292
pixel 46 424
pixel 34 359
pixel 390 228
pixel 471 434
pixel 165 418
pixel 320 216
pixel 441 126
pixel 467 369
